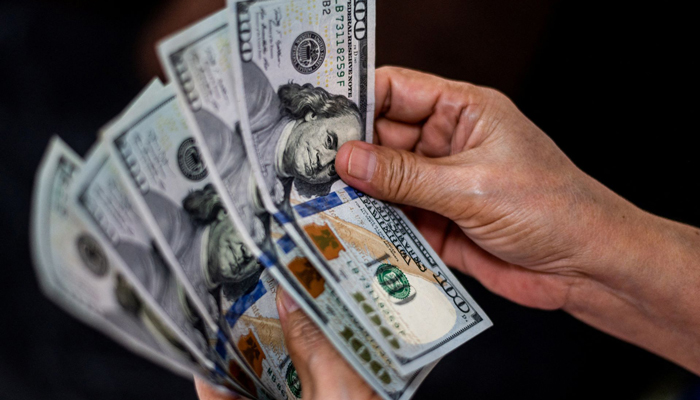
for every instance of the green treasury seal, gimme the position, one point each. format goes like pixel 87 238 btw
pixel 293 381
pixel 393 281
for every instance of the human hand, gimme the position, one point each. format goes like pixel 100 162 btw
pixel 512 209
pixel 498 200
pixel 323 372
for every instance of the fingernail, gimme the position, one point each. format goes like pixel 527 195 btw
pixel 362 164
pixel 288 302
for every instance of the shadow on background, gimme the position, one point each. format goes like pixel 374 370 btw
pixel 613 86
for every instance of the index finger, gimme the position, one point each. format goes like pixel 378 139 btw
pixel 411 97
pixel 424 113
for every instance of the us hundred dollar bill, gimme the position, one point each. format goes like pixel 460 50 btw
pixel 103 200
pixel 172 187
pixel 75 271
pixel 194 58
pixel 311 291
pixel 81 272
pixel 142 138
pixel 306 72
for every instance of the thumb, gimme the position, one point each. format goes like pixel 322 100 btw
pixel 396 176
pixel 306 344
pixel 323 372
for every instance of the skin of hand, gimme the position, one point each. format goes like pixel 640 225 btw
pixel 498 200
pixel 324 374
pixel 207 392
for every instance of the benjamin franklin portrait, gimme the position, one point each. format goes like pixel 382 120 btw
pixel 226 259
pixel 206 244
pixel 297 131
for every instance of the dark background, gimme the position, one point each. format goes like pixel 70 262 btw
pixel 614 85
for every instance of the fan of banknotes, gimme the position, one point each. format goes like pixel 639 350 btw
pixel 209 191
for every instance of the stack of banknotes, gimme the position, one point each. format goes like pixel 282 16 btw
pixel 209 191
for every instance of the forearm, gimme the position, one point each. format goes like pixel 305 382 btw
pixel 644 286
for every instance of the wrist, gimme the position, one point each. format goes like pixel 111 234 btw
pixel 641 281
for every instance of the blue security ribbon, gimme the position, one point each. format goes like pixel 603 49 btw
pixel 219 370
pixel 220 347
pixel 325 203
pixel 244 303
pixel 267 260
pixel 282 218
pixel 286 244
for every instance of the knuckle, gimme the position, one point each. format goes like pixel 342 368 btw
pixel 481 178
pixel 466 87
pixel 394 69
pixel 506 103
pixel 302 336
pixel 496 98
pixel 400 176
pixel 494 94
pixel 473 193
pixel 298 327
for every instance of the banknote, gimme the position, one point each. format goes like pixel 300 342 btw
pixel 77 269
pixel 306 73
pixel 75 272
pixel 172 186
pixel 196 63
pixel 311 291
pixel 143 140
pixel 195 58
pixel 103 201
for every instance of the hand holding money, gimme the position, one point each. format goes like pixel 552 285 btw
pixel 467 154
pixel 323 373
pixel 502 203
pixel 212 192
pixel 418 155
pixel 242 177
